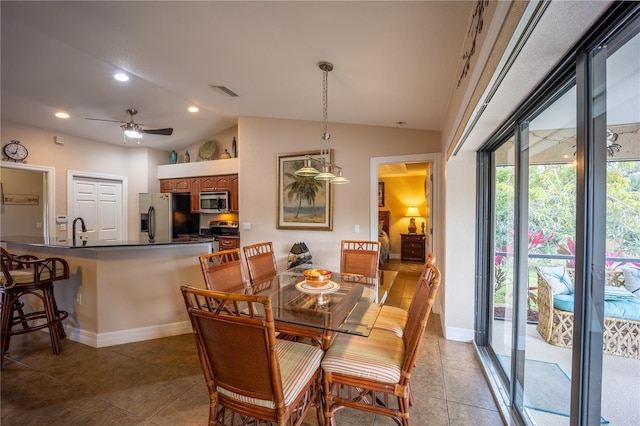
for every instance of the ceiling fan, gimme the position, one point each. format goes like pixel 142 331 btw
pixel 135 130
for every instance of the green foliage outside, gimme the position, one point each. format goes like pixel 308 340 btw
pixel 552 211
pixel 552 206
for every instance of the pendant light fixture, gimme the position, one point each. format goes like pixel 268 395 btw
pixel 325 144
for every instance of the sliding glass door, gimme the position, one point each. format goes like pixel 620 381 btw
pixel 559 190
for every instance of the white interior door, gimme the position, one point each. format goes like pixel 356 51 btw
pixel 99 203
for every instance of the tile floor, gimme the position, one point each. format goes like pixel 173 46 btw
pixel 159 382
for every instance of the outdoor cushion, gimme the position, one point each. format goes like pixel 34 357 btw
pixel 628 309
pixel 617 293
pixel 631 279
pixel 558 279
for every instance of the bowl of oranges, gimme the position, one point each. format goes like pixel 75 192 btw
pixel 317 277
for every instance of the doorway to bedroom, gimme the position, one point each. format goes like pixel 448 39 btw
pixel 404 211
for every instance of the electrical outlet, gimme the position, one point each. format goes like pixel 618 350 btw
pixel 356 228
pixel 79 299
pixel 63 226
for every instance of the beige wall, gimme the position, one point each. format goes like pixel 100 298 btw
pixel 22 219
pixel 224 140
pixel 138 165
pixel 260 140
pixel 354 146
pixel 460 240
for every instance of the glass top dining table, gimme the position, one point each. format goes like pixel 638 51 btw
pixel 349 303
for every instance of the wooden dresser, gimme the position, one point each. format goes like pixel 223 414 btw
pixel 412 247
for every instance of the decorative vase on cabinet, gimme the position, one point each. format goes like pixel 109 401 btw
pixel 173 157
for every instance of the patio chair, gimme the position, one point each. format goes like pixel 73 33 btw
pixel 249 373
pixel 367 373
pixel 261 262
pixel 223 270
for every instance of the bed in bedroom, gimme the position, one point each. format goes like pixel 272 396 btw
pixel 383 236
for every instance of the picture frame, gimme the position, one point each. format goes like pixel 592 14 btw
pixel 303 202
pixel 21 199
pixel 380 194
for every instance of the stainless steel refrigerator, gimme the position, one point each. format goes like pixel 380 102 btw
pixel 163 216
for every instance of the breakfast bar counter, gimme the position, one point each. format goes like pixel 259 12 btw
pixel 121 291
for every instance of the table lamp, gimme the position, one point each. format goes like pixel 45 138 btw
pixel 412 212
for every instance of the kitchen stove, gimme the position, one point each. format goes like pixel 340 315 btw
pixel 221 228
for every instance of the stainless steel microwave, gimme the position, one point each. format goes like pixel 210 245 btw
pixel 214 202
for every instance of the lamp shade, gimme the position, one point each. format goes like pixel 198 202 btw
pixel 412 211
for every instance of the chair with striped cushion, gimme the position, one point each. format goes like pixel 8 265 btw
pixel 368 373
pixel 249 373
pixel 261 262
pixel 223 270
pixel 393 318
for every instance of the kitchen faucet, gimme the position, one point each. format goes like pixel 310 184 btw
pixel 84 228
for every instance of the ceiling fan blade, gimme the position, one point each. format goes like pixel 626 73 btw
pixel 164 132
pixel 102 119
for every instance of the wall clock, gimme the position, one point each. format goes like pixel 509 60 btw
pixel 15 151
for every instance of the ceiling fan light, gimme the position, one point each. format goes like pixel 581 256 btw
pixel 133 134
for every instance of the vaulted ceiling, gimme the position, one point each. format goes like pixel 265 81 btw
pixel 394 61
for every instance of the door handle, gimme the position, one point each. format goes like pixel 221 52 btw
pixel 152 222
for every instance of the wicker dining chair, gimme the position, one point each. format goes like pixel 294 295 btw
pixel 223 270
pixel 393 318
pixel 261 262
pixel 368 373
pixel 249 373
pixel 360 257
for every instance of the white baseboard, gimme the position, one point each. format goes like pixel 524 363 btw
pixel 458 334
pixel 101 340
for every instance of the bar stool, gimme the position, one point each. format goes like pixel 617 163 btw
pixel 23 276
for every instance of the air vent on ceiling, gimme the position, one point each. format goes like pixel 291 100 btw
pixel 224 90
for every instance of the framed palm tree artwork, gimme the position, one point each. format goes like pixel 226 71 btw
pixel 304 202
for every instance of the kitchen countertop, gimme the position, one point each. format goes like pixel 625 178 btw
pixel 67 243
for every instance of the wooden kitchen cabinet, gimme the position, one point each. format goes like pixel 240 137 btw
pixel 214 183
pixel 197 184
pixel 175 185
pixel 412 247
pixel 234 207
pixel 195 194
pixel 228 243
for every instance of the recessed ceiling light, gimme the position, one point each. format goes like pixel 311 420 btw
pixel 121 76
pixel 61 114
pixel 193 109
